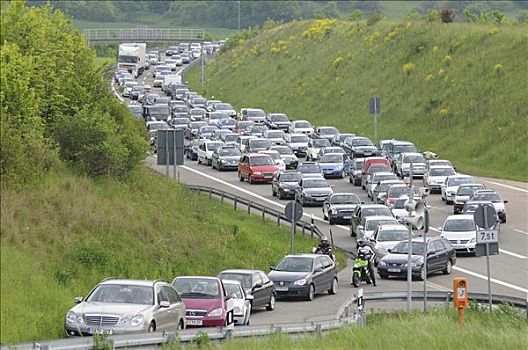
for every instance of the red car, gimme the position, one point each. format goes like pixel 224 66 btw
pixel 206 302
pixel 257 167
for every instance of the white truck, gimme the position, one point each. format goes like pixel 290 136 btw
pixel 170 79
pixel 132 56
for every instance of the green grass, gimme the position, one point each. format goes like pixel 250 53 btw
pixel 61 238
pixel 436 329
pixel 464 96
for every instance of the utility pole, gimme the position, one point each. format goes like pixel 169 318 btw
pixel 202 64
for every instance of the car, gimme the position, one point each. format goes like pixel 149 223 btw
pixel 310 170
pixel 225 108
pixel 198 102
pixel 241 142
pixel 325 132
pixel 206 132
pixel 338 207
pixel 226 123
pixel 334 165
pixel 354 171
pixel 276 158
pixel 396 147
pixel 435 176
pixel 332 149
pixel 241 301
pixel 304 275
pixel 373 169
pixel 256 145
pixel 136 91
pixel 495 198
pixel 394 192
pixel 186 57
pixel 300 127
pixel 463 194
pixel 206 301
pixel 121 306
pixel 375 180
pixel 278 121
pixel 197 114
pixel 191 149
pixel 256 115
pixel 359 147
pixel 226 158
pixel 149 99
pixel 193 128
pixel 380 191
pixel 179 93
pixel 218 116
pixel 471 206
pixel 450 185
pixel 369 224
pixel 179 109
pixel 127 88
pixel 312 191
pixel 229 139
pixel 461 232
pixel 257 130
pixel 218 133
pixel 386 236
pixel 287 155
pixel 339 138
pixel 205 151
pixel 243 126
pixel 440 162
pixel 136 110
pixel 298 143
pixel 404 161
pixel 314 145
pixel 364 210
pixel 171 50
pixel 255 283
pixel 285 183
pixel 441 256
pixel 179 123
pixel 256 167
pixel 275 136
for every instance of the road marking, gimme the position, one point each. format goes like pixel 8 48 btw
pixel 526 233
pixel 507 186
pixel 494 280
pixel 513 254
pixel 437 287
pixel 434 229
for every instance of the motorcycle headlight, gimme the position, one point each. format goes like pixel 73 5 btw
pixel 216 312
pixel 71 317
pixel 300 282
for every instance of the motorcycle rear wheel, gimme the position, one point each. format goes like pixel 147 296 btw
pixel 356 279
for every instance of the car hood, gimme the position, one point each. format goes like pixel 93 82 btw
pixel 289 184
pixel 399 258
pixel 364 148
pixel 331 165
pixel 459 235
pixel 287 276
pixel 264 168
pixel 110 308
pixel 344 206
pixel 201 304
pixel 436 179
pixel 324 190
pixel 229 158
pixel 386 244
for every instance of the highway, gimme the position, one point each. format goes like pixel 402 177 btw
pixel 509 269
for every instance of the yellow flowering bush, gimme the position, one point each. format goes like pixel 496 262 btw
pixel 338 61
pixel 429 77
pixel 435 48
pixel 441 72
pixel 498 68
pixel 408 68
pixel 443 112
pixel 447 60
pixel 493 30
pixel 373 37
pixel 319 27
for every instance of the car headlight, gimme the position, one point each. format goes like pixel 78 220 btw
pixel 71 317
pixel 300 282
pixel 216 312
pixel 382 263
pixel 257 173
pixel 237 310
pixel 473 240
pixel 136 320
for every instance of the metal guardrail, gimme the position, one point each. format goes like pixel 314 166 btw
pixel 143 34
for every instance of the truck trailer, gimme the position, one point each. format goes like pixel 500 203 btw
pixel 132 56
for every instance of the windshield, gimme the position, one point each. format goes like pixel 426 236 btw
pixel 230 137
pixel 259 143
pixel 395 192
pixel 199 101
pixel 255 113
pixel 315 184
pixel 392 235
pixel 329 131
pixel 223 107
pixel 197 288
pixel 302 125
pixel 361 142
pixel 404 148
pixel 212 146
pixel 295 264
pixel 376 212
pixel 180 121
pixel 218 115
pixel 372 224
pixel 383 187
pixel 455 181
pixel 228 122
pixel 127 59
pixel 467 190
pixel 332 158
pixel 344 199
pixel 321 143
pixel 377 169
pixel 197 125
pixel 158 126
pixel 491 197
pixel 274 155
pixel 400 204
pixel 261 160
pixel 180 109
pixel 309 168
pixel 283 150
pixel 334 150
pixel 299 139
pixel 441 172
pixel 403 248
pixel 459 225
pixel 122 294
pixel 414 158
pixel 207 129
pixel 275 134
pixel 377 178
pixel 233 290
pixel 358 165
pixel 291 177
pixel 279 118
pixel 244 279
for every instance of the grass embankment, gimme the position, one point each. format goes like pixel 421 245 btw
pixel 436 329
pixel 455 89
pixel 60 239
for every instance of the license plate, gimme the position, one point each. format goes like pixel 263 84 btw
pixel 394 270
pixel 347 217
pixel 99 331
pixel 281 289
pixel 194 322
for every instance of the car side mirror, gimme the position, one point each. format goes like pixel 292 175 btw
pixel 272 268
pixel 78 300
pixel 430 253
pixel 164 304
pixel 389 250
pixel 250 297
pixel 256 286
pixel 505 202
pixel 319 269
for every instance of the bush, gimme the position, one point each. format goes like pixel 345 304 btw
pixel 448 15
pixel 375 18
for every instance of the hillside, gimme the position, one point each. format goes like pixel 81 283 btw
pixel 456 89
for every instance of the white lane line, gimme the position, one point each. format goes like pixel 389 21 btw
pixel 526 233
pixel 437 287
pixel 494 280
pixel 513 254
pixel 434 229
pixel 507 186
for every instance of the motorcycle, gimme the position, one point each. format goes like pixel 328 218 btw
pixel 360 271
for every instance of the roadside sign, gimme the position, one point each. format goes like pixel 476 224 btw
pixel 485 216
pixel 487 236
pixel 374 105
pixel 293 210
pixel 480 249
pixel 360 301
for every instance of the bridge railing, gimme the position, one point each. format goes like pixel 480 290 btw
pixel 144 34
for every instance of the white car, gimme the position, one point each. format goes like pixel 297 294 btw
pixel 435 176
pixel 376 178
pixel 386 236
pixel 439 162
pixel 205 151
pixel 460 231
pixel 241 301
pixel 463 194
pixel 372 222
pixel 127 88
pixel 300 127
pixel 403 164
pixel 298 143
pixel 314 146
pixel 495 198
pixel 275 136
pixel 277 159
pixel 449 188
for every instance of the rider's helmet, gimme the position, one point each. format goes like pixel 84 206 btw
pixel 324 240
pixel 362 243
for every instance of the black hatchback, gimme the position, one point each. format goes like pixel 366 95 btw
pixel 304 275
pixel 255 283
pixel 441 256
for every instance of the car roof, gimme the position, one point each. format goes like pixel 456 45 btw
pixel 145 283
pixel 379 217
pixel 258 155
pixel 393 226
pixel 382 173
pixel 241 271
pixel 303 255
pixel 460 217
pixel 459 175
pixel 225 281
pixel 471 185
pixel 440 167
pixel 196 277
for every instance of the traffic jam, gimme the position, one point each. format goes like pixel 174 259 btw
pixel 296 161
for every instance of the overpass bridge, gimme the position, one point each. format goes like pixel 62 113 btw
pixel 143 34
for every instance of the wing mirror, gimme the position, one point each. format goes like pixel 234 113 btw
pixel 250 297
pixel 272 268
pixel 430 253
pixel 505 202
pixel 77 300
pixel 256 286
pixel 164 304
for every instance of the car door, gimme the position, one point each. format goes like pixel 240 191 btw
pixel 161 315
pixel 443 254
pixel 356 217
pixel 175 309
pixel 319 275
pixel 329 271
pixel 433 258
pixel 259 298
pixel 267 287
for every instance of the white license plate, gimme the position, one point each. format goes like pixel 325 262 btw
pixel 194 322
pixel 281 289
pixel 99 331
pixel 347 217
pixel 394 270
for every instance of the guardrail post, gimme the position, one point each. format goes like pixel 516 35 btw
pixel 278 219
pixel 235 203
pixel 222 197
pixel 228 334
pixel 278 329
pixel 210 193
pixel 318 329
pixel 249 207
pixel 303 229
pixel 347 311
pixel 263 213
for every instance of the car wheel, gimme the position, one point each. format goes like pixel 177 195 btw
pixel 333 288
pixel 357 183
pixel 281 196
pixel 208 161
pixel 273 193
pixel 240 178
pixel 199 161
pixel 448 268
pixel 250 179
pixel 271 304
pixel 330 221
pixel 350 180
pixel 311 293
pixel 422 274
pixel 383 276
pixel 152 327
pixel 503 221
pixel 302 202
pixel 180 326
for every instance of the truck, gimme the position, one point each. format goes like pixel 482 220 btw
pixel 132 56
pixel 170 79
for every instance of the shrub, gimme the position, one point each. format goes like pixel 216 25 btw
pixel 319 27
pixel 429 77
pixel 356 15
pixel 498 68
pixel 408 68
pixel 447 15
pixel 338 61
pixel 447 60
pixel 375 18
pixel 499 17
pixel 432 15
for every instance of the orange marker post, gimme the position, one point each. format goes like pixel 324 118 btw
pixel 460 300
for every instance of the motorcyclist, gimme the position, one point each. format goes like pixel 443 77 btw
pixel 324 247
pixel 365 251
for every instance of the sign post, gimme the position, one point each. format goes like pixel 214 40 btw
pixel 374 108
pixel 293 213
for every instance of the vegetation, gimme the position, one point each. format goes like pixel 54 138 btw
pixel 455 89
pixel 437 329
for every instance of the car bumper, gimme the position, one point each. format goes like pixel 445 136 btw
pixel 84 330
pixel 288 193
pixel 261 178
pixel 333 173
pixel 463 247
pixel 293 292
pixel 314 200
pixel 205 322
pixel 400 271
pixel 341 217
